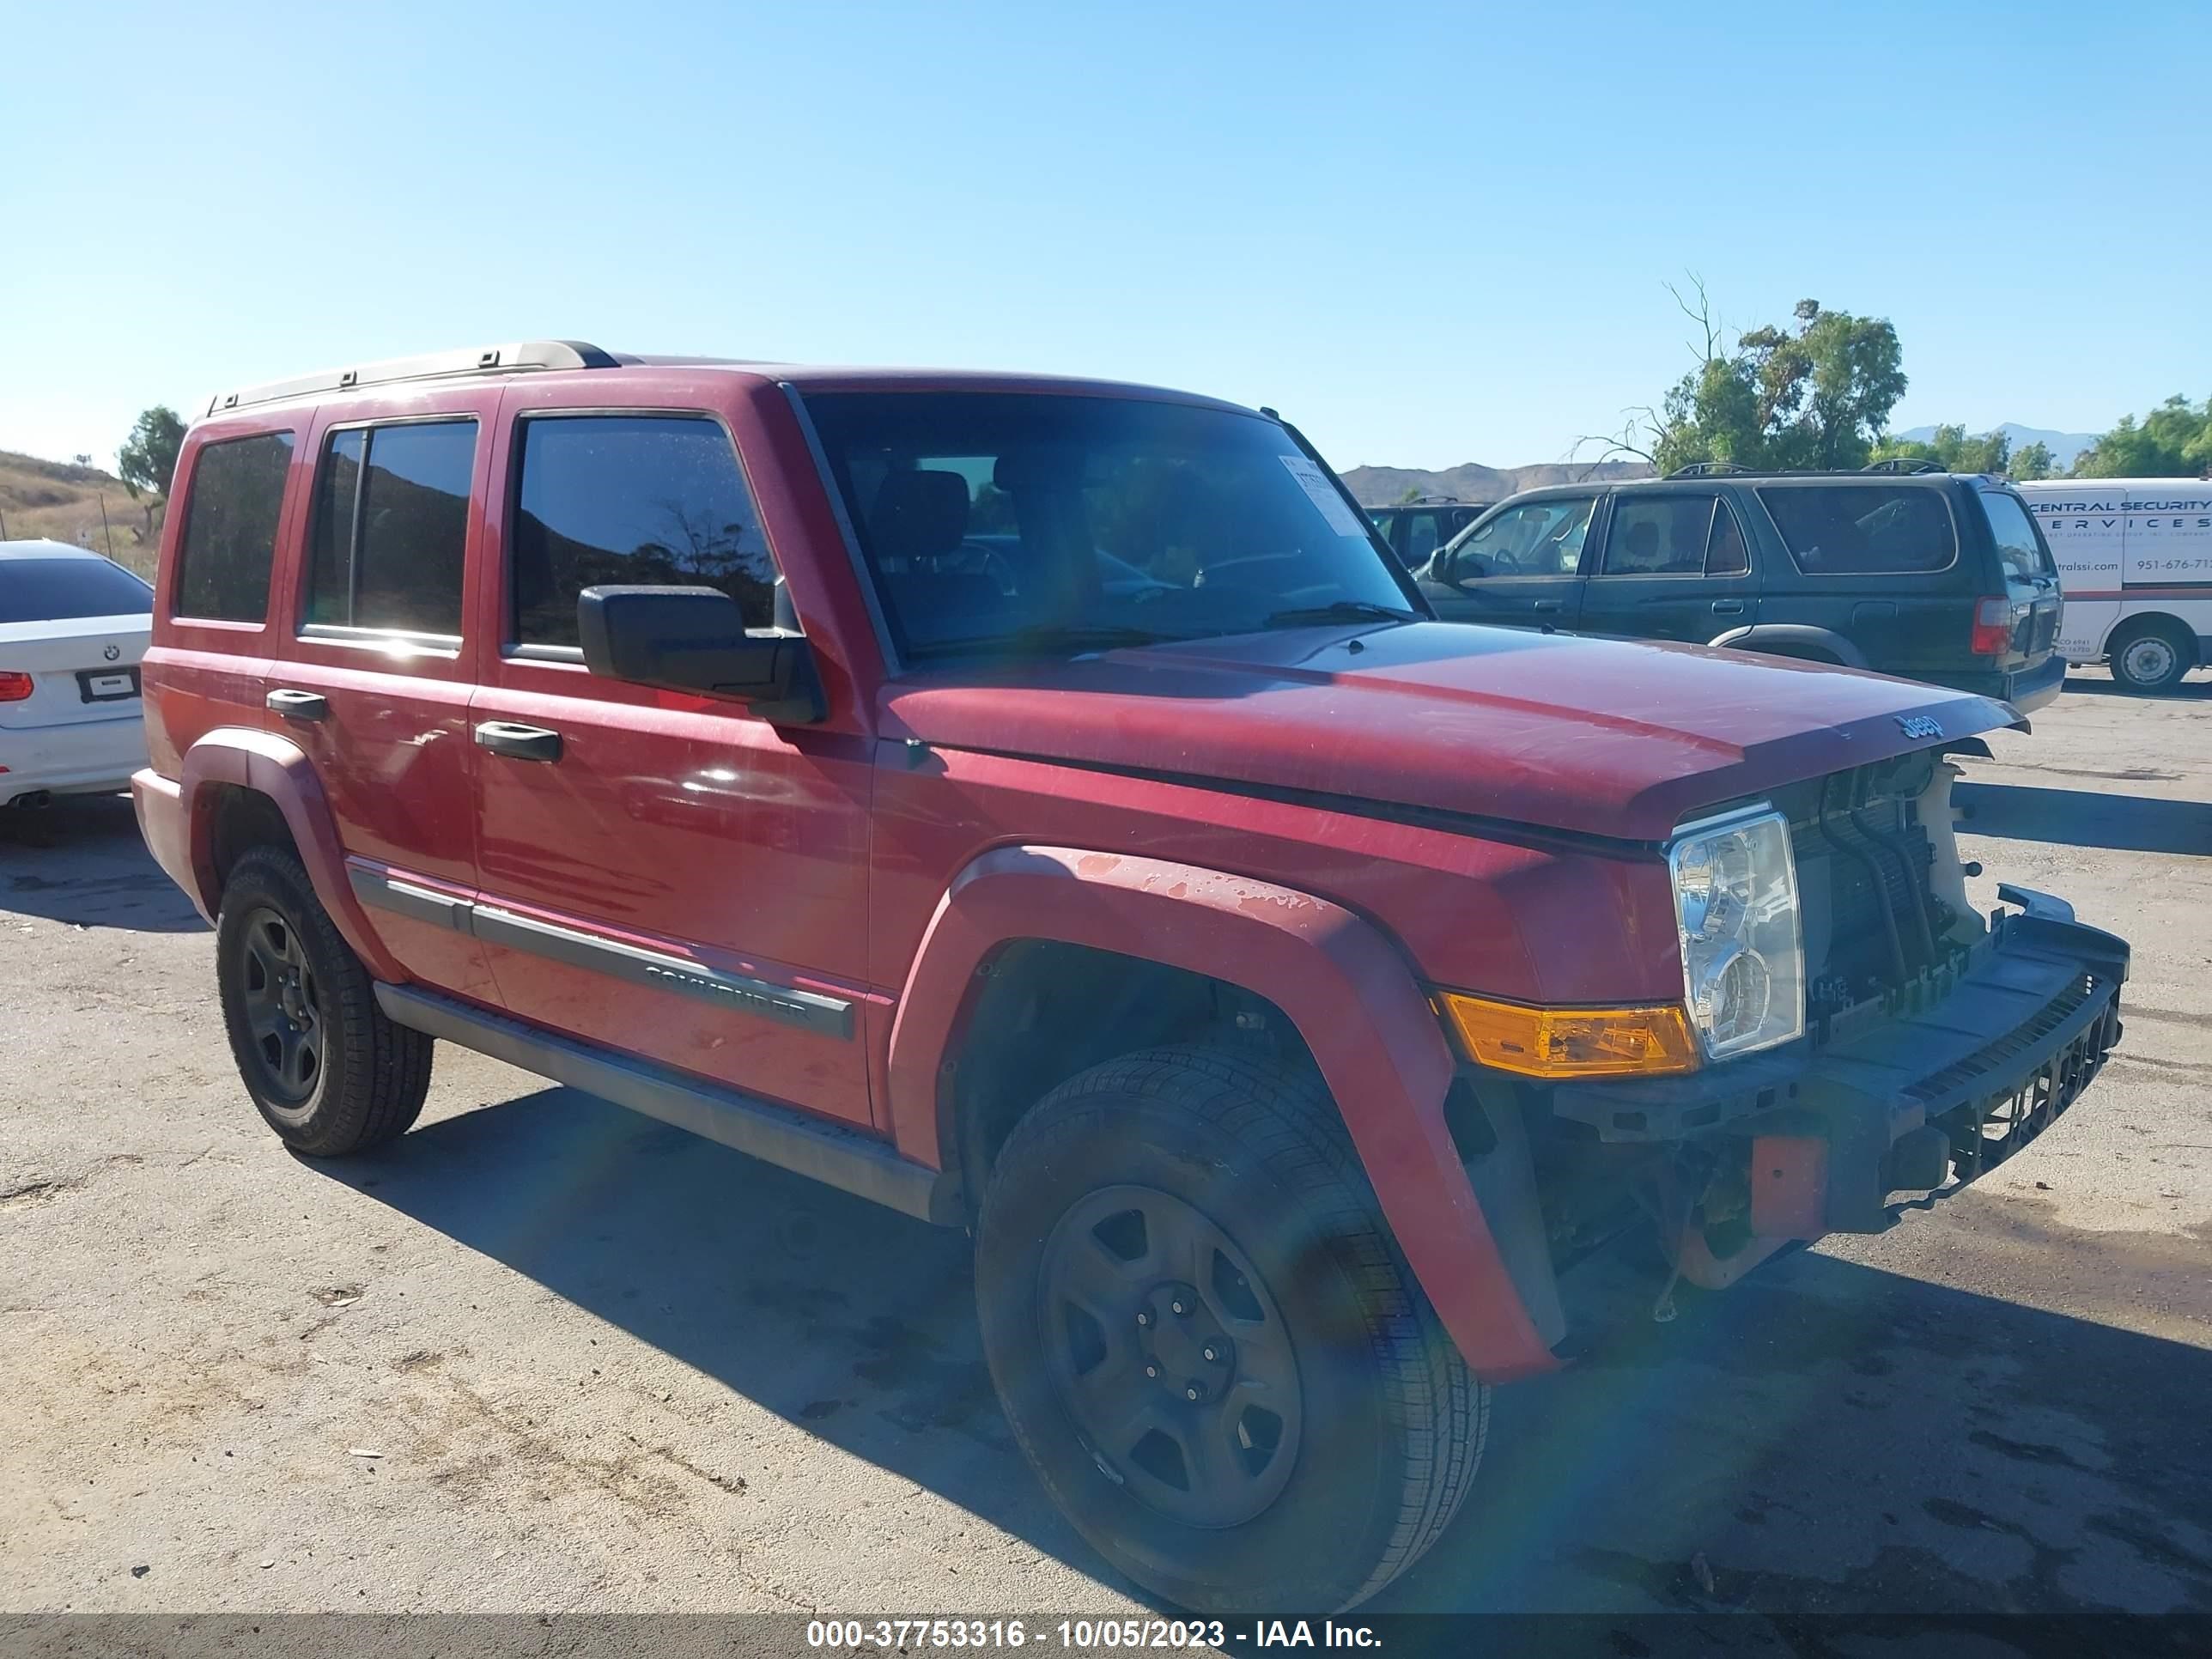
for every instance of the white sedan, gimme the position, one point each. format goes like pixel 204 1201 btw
pixel 73 627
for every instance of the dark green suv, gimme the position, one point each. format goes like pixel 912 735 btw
pixel 1935 576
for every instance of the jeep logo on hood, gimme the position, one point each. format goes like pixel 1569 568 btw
pixel 1920 725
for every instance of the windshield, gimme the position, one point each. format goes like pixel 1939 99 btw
pixel 1044 525
pixel 53 589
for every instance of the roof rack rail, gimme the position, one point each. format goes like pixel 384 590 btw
pixel 1904 464
pixel 514 358
pixel 1710 469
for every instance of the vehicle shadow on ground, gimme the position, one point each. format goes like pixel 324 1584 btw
pixel 832 1312
pixel 2194 690
pixel 82 861
pixel 1826 1436
pixel 2085 818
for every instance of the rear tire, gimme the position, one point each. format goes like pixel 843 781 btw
pixel 325 1068
pixel 2150 659
pixel 1202 1212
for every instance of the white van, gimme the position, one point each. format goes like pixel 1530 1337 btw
pixel 2135 562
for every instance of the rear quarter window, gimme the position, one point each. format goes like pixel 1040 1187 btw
pixel 1863 529
pixel 55 590
pixel 237 496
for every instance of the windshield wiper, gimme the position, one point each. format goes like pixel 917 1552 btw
pixel 1340 610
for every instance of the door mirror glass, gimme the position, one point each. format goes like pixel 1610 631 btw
pixel 694 638
pixel 1457 564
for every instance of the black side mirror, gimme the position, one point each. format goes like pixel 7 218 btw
pixel 1453 564
pixel 694 638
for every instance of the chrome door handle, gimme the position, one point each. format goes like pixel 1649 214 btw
pixel 529 743
pixel 1544 605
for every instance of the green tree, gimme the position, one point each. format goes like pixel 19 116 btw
pixel 1407 497
pixel 1954 451
pixel 2174 441
pixel 1816 395
pixel 2029 462
pixel 148 459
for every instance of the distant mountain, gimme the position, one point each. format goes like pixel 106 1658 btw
pixel 2064 446
pixel 1379 486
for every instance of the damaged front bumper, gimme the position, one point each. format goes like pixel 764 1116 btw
pixel 1918 1094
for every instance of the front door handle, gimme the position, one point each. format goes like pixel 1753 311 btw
pixel 1544 605
pixel 1728 607
pixel 532 742
pixel 298 705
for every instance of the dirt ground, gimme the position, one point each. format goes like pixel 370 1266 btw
pixel 543 1355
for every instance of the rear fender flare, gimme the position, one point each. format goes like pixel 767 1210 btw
pixel 1372 1030
pixel 1779 637
pixel 270 765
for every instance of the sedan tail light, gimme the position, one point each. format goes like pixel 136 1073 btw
pixel 14 687
pixel 1993 624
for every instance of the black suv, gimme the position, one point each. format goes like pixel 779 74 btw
pixel 1936 576
pixel 1413 530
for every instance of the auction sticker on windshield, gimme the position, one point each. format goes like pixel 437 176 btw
pixel 1323 495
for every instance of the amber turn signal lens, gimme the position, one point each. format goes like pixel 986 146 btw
pixel 1572 1043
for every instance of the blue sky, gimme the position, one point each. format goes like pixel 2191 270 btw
pixel 1428 234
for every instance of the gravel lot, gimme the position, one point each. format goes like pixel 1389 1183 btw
pixel 605 1366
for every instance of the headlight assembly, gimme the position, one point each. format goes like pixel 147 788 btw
pixel 1735 912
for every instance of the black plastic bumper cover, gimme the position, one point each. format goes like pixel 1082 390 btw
pixel 1990 1053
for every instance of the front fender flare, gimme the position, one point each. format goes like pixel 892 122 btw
pixel 270 764
pixel 1345 987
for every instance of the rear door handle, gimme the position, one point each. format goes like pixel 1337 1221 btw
pixel 1544 605
pixel 1728 607
pixel 530 743
pixel 298 705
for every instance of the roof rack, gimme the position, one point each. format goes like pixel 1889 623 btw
pixel 518 357
pixel 1895 465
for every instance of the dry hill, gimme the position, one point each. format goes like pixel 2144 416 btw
pixel 55 499
pixel 1379 486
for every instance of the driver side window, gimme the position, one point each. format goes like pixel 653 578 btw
pixel 1537 538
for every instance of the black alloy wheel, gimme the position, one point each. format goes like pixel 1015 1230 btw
pixel 276 988
pixel 1170 1356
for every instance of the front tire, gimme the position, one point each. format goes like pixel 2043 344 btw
pixel 1208 1344
pixel 325 1068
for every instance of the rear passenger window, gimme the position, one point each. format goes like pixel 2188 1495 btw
pixel 1658 536
pixel 236 495
pixel 391 513
pixel 1862 528
pixel 625 498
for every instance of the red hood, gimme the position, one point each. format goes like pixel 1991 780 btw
pixel 1600 736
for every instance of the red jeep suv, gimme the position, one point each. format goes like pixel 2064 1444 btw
pixel 1043 806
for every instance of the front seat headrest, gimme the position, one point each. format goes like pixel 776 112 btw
pixel 919 515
